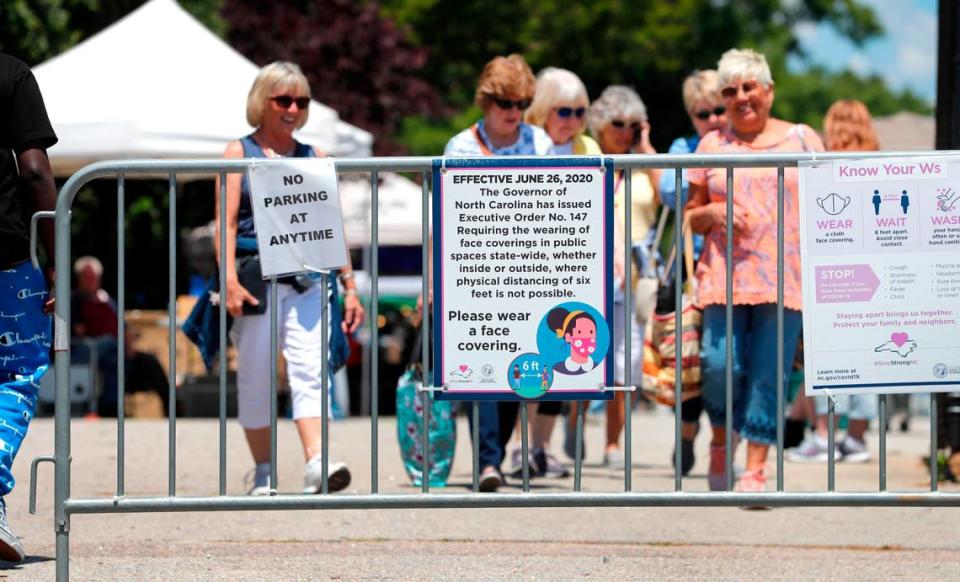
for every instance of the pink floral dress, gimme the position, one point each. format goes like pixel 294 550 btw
pixel 755 197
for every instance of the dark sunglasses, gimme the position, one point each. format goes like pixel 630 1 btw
pixel 731 91
pixel 620 124
pixel 565 112
pixel 705 114
pixel 285 101
pixel 506 104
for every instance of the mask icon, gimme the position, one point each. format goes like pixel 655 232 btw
pixel 833 204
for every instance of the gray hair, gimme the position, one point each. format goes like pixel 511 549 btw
pixel 88 261
pixel 280 73
pixel 554 87
pixel 701 86
pixel 616 102
pixel 743 65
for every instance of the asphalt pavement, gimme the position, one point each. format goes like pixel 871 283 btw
pixel 679 543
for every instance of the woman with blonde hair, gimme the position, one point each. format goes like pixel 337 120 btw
pixel 560 107
pixel 748 93
pixel 704 106
pixel 277 105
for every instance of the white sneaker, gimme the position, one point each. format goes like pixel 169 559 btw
pixel 338 476
pixel 813 449
pixel 11 549
pixel 258 480
pixel 853 450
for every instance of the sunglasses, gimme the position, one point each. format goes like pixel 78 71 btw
pixel 620 124
pixel 507 104
pixel 731 91
pixel 285 101
pixel 705 114
pixel 565 112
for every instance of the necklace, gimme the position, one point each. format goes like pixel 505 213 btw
pixel 271 152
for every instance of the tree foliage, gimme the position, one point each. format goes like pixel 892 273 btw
pixel 359 63
pixel 35 31
pixel 651 45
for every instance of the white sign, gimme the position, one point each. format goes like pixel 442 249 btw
pixel 523 281
pixel 880 245
pixel 296 209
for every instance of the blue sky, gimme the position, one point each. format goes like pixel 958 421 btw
pixel 906 56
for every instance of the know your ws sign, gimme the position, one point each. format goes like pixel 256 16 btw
pixel 880 249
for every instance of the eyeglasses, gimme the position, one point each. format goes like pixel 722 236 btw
pixel 565 112
pixel 285 101
pixel 620 124
pixel 730 91
pixel 507 104
pixel 705 114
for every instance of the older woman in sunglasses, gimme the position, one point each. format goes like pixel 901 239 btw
pixel 560 107
pixel 748 92
pixel 505 90
pixel 704 105
pixel 618 120
pixel 277 105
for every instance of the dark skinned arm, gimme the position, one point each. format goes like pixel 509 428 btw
pixel 36 178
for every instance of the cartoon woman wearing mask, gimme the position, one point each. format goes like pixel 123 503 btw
pixel 578 329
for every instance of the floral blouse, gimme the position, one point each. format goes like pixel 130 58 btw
pixel 755 250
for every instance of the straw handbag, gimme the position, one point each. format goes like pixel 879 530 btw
pixel 659 349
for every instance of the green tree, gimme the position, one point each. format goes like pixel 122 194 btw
pixel 651 45
pixel 357 61
pixel 35 31
pixel 805 97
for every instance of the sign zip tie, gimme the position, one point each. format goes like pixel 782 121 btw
pixel 830 396
pixel 316 270
pixel 443 165
pixel 423 388
pixel 617 388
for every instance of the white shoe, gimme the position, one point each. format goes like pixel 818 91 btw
pixel 11 549
pixel 260 477
pixel 338 476
pixel 813 449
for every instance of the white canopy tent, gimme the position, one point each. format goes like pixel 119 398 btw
pixel 158 84
pixel 399 205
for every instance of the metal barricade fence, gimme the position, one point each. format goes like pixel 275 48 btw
pixel 65 505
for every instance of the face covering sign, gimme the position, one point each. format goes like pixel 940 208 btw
pixel 296 209
pixel 523 278
pixel 880 249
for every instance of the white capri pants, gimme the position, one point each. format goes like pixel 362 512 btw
pixel 299 336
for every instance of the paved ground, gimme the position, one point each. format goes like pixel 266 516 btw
pixel 470 544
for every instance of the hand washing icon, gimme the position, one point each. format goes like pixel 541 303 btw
pixel 833 204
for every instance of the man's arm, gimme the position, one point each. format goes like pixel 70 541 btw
pixel 36 177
